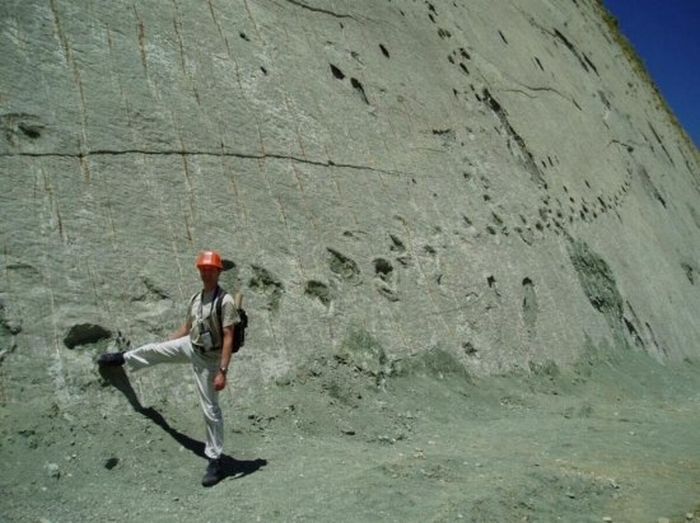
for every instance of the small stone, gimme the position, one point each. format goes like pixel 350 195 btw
pixel 689 516
pixel 54 471
pixel 607 519
pixel 663 520
pixel 14 326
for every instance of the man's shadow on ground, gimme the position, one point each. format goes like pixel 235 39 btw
pixel 231 467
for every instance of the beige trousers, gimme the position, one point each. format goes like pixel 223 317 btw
pixel 204 366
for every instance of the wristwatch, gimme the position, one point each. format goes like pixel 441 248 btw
pixel 223 370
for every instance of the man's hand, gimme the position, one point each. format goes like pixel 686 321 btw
pixel 220 381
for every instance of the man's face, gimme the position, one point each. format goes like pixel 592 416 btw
pixel 209 275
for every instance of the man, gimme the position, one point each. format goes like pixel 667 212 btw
pixel 204 340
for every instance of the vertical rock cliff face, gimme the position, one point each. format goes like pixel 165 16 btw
pixel 494 180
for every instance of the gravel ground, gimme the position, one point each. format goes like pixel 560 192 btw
pixel 613 438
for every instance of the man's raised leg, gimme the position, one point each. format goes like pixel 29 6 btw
pixel 171 351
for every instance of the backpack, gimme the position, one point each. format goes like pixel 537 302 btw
pixel 239 331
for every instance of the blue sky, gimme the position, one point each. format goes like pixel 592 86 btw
pixel 666 34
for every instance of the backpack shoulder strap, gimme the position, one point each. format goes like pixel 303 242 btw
pixel 189 303
pixel 218 307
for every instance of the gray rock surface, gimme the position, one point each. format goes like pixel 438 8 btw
pixel 492 186
pixel 484 175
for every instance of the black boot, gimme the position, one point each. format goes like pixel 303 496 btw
pixel 111 359
pixel 214 473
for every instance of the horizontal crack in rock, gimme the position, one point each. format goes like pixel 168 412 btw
pixel 540 89
pixel 107 152
pixel 318 9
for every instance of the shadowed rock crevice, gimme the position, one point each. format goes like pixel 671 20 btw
pixel 343 267
pixel 649 186
pixel 319 290
pixel 526 156
pixel 690 271
pixel 384 274
pixel 85 334
pixel 357 85
pixel 658 139
pixel 383 269
pixel 397 245
pixel 597 280
pixel 337 73
pixel 530 308
pixel 660 349
pixel 265 283
pixel 21 127
pixel 582 59
pixel 633 326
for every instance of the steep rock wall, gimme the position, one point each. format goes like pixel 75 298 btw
pixel 490 179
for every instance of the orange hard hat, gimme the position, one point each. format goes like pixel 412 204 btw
pixel 209 259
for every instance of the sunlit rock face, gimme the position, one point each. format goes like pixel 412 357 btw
pixel 492 180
